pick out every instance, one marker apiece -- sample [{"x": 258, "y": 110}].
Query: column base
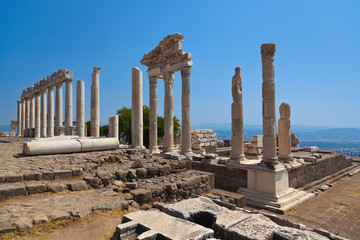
[
  {"x": 166, "y": 150},
  {"x": 236, "y": 161},
  {"x": 187, "y": 152}
]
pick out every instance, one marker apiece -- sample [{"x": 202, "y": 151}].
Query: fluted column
[
  {"x": 19, "y": 118},
  {"x": 136, "y": 109},
  {"x": 32, "y": 116},
  {"x": 80, "y": 108},
  {"x": 284, "y": 137},
  {"x": 95, "y": 100},
  {"x": 68, "y": 107},
  {"x": 43, "y": 123},
  {"x": 269, "y": 112},
  {"x": 37, "y": 116},
  {"x": 168, "y": 113},
  {"x": 22, "y": 117},
  {"x": 50, "y": 112},
  {"x": 27, "y": 118},
  {"x": 237, "y": 151},
  {"x": 59, "y": 129},
  {"x": 185, "y": 113},
  {"x": 153, "y": 139}
]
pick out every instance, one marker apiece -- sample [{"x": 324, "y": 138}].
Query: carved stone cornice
[{"x": 268, "y": 51}]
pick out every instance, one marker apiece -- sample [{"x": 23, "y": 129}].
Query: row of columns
[{"x": 35, "y": 114}]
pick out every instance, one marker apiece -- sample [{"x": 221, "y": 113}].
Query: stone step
[{"x": 239, "y": 199}]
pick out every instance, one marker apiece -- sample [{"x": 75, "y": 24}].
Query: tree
[
  {"x": 103, "y": 130},
  {"x": 125, "y": 125}
]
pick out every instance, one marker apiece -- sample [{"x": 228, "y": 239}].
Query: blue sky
[{"x": 316, "y": 62}]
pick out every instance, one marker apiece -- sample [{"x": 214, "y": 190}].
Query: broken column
[
  {"x": 37, "y": 115},
  {"x": 153, "y": 147},
  {"x": 80, "y": 108},
  {"x": 68, "y": 107},
  {"x": 19, "y": 118},
  {"x": 95, "y": 115},
  {"x": 284, "y": 137},
  {"x": 13, "y": 128},
  {"x": 50, "y": 112},
  {"x": 114, "y": 126},
  {"x": 59, "y": 129},
  {"x": 136, "y": 109},
  {"x": 237, "y": 155},
  {"x": 43, "y": 123},
  {"x": 185, "y": 114},
  {"x": 168, "y": 113},
  {"x": 269, "y": 112}
]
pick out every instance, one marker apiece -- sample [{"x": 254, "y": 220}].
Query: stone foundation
[{"x": 203, "y": 139}]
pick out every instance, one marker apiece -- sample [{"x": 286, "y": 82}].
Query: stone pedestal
[
  {"x": 284, "y": 137},
  {"x": 43, "y": 122},
  {"x": 19, "y": 118},
  {"x": 68, "y": 107},
  {"x": 270, "y": 189},
  {"x": 269, "y": 159},
  {"x": 80, "y": 108},
  {"x": 95, "y": 101},
  {"x": 37, "y": 116},
  {"x": 168, "y": 113},
  {"x": 58, "y": 110},
  {"x": 137, "y": 109},
  {"x": 153, "y": 139},
  {"x": 50, "y": 112},
  {"x": 185, "y": 113},
  {"x": 114, "y": 126}
]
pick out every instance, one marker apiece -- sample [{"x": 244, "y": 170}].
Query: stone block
[
  {"x": 23, "y": 223},
  {"x": 14, "y": 178},
  {"x": 59, "y": 215},
  {"x": 47, "y": 175},
  {"x": 55, "y": 187},
  {"x": 40, "y": 218},
  {"x": 141, "y": 195},
  {"x": 35, "y": 187},
  {"x": 77, "y": 185},
  {"x": 12, "y": 190},
  {"x": 61, "y": 174}
]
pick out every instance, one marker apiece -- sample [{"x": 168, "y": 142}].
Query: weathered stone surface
[
  {"x": 23, "y": 223},
  {"x": 61, "y": 174},
  {"x": 77, "y": 185},
  {"x": 55, "y": 187},
  {"x": 92, "y": 181},
  {"x": 11, "y": 190},
  {"x": 5, "y": 226},
  {"x": 47, "y": 175},
  {"x": 141, "y": 195},
  {"x": 137, "y": 164},
  {"x": 14, "y": 178},
  {"x": 35, "y": 187},
  {"x": 165, "y": 169},
  {"x": 40, "y": 218},
  {"x": 141, "y": 172},
  {"x": 59, "y": 215}
]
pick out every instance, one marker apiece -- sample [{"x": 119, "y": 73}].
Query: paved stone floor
[{"x": 336, "y": 210}]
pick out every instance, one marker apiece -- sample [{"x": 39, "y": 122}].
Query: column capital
[
  {"x": 268, "y": 51},
  {"x": 59, "y": 84},
  {"x": 169, "y": 77},
  {"x": 96, "y": 69},
  {"x": 69, "y": 80},
  {"x": 51, "y": 87}
]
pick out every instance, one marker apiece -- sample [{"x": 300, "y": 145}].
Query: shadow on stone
[{"x": 205, "y": 219}]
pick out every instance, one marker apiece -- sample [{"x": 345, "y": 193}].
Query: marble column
[
  {"x": 185, "y": 113},
  {"x": 114, "y": 126},
  {"x": 43, "y": 123},
  {"x": 168, "y": 113},
  {"x": 68, "y": 107},
  {"x": 80, "y": 108},
  {"x": 22, "y": 117},
  {"x": 32, "y": 116},
  {"x": 136, "y": 109},
  {"x": 269, "y": 112},
  {"x": 95, "y": 101},
  {"x": 19, "y": 118},
  {"x": 237, "y": 124},
  {"x": 50, "y": 112},
  {"x": 37, "y": 115},
  {"x": 27, "y": 117},
  {"x": 59, "y": 129},
  {"x": 284, "y": 137},
  {"x": 153, "y": 138}
]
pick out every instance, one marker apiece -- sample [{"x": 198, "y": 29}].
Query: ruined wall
[
  {"x": 312, "y": 171},
  {"x": 226, "y": 177},
  {"x": 203, "y": 139}
]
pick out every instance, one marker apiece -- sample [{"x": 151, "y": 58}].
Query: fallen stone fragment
[
  {"x": 141, "y": 195},
  {"x": 40, "y": 218},
  {"x": 23, "y": 223},
  {"x": 59, "y": 215},
  {"x": 5, "y": 226},
  {"x": 77, "y": 185}
]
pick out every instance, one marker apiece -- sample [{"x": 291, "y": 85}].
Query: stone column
[
  {"x": 153, "y": 147},
  {"x": 59, "y": 129},
  {"x": 80, "y": 108},
  {"x": 32, "y": 116},
  {"x": 185, "y": 113},
  {"x": 237, "y": 124},
  {"x": 68, "y": 107},
  {"x": 95, "y": 101},
  {"x": 114, "y": 126},
  {"x": 43, "y": 123},
  {"x": 37, "y": 115},
  {"x": 168, "y": 113},
  {"x": 137, "y": 109},
  {"x": 50, "y": 112},
  {"x": 19, "y": 118},
  {"x": 269, "y": 112},
  {"x": 22, "y": 117},
  {"x": 27, "y": 117},
  {"x": 284, "y": 137}
]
